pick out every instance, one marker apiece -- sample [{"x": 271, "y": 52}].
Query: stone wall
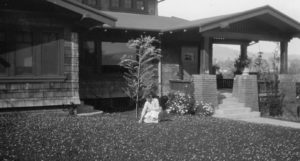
[
  {"x": 246, "y": 90},
  {"x": 205, "y": 88},
  {"x": 50, "y": 92}
]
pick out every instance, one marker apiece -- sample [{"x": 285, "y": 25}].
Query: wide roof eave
[{"x": 85, "y": 11}]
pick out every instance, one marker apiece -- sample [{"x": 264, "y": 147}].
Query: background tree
[
  {"x": 240, "y": 63},
  {"x": 294, "y": 67},
  {"x": 141, "y": 74},
  {"x": 260, "y": 65}
]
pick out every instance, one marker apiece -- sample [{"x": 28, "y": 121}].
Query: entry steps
[{"x": 231, "y": 108}]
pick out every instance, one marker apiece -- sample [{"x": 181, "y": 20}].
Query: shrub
[
  {"x": 204, "y": 109},
  {"x": 183, "y": 103},
  {"x": 180, "y": 103}
]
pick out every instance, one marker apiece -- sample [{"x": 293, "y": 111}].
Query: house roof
[
  {"x": 85, "y": 11},
  {"x": 143, "y": 22},
  {"x": 214, "y": 22},
  {"x": 165, "y": 24}
]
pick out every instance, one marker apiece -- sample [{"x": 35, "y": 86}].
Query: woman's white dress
[{"x": 152, "y": 110}]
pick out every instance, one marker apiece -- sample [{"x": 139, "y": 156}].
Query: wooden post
[
  {"x": 159, "y": 78},
  {"x": 206, "y": 58},
  {"x": 244, "y": 51},
  {"x": 283, "y": 57}
]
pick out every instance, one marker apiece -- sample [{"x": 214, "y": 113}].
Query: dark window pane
[
  {"x": 140, "y": 5},
  {"x": 91, "y": 2},
  {"x": 115, "y": 3},
  {"x": 127, "y": 4},
  {"x": 90, "y": 55},
  {"x": 23, "y": 58},
  {"x": 50, "y": 54},
  {"x": 4, "y": 64},
  {"x": 3, "y": 56}
]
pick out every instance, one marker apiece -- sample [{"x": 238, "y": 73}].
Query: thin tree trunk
[{"x": 137, "y": 91}]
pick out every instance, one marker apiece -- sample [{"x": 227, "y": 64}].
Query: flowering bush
[
  {"x": 205, "y": 109},
  {"x": 182, "y": 103}
]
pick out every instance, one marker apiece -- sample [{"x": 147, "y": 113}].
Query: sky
[{"x": 197, "y": 9}]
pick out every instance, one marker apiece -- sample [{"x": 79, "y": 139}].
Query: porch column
[
  {"x": 284, "y": 57},
  {"x": 244, "y": 51},
  {"x": 206, "y": 57}
]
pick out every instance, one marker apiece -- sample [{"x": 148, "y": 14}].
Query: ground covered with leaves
[{"x": 119, "y": 137}]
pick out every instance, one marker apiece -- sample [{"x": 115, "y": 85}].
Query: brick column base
[
  {"x": 245, "y": 89},
  {"x": 205, "y": 88}
]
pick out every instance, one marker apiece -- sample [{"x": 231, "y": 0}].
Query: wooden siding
[
  {"x": 150, "y": 6},
  {"x": 44, "y": 92}
]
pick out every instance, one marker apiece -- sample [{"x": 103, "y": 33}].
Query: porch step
[
  {"x": 231, "y": 108},
  {"x": 239, "y": 116}
]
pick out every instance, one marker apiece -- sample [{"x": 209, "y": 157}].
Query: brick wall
[
  {"x": 205, "y": 88},
  {"x": 245, "y": 89},
  {"x": 46, "y": 93}
]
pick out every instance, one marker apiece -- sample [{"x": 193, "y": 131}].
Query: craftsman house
[{"x": 61, "y": 51}]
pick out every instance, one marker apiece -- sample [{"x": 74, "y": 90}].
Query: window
[
  {"x": 91, "y": 2},
  {"x": 24, "y": 53},
  {"x": 112, "y": 53},
  {"x": 140, "y": 5},
  {"x": 3, "y": 55},
  {"x": 127, "y": 4},
  {"x": 32, "y": 54},
  {"x": 49, "y": 54},
  {"x": 115, "y": 4},
  {"x": 89, "y": 58}
]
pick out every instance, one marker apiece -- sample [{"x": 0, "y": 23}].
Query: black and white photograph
[{"x": 149, "y": 80}]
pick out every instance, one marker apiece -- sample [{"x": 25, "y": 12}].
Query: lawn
[{"x": 118, "y": 136}]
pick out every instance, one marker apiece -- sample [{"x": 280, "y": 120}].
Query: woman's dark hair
[{"x": 149, "y": 95}]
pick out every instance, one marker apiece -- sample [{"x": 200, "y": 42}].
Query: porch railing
[{"x": 224, "y": 83}]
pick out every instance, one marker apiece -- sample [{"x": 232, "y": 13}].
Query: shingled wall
[{"x": 46, "y": 92}]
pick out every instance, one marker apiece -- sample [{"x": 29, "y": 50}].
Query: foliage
[
  {"x": 259, "y": 64},
  {"x": 294, "y": 67},
  {"x": 141, "y": 68},
  {"x": 274, "y": 99},
  {"x": 119, "y": 137},
  {"x": 183, "y": 103},
  {"x": 240, "y": 63},
  {"x": 180, "y": 103},
  {"x": 204, "y": 109}
]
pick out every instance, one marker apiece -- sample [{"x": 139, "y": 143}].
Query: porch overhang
[
  {"x": 85, "y": 11},
  {"x": 227, "y": 20},
  {"x": 232, "y": 26}
]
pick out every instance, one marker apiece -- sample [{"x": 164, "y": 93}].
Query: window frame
[
  {"x": 137, "y": 6},
  {"x": 112, "y": 4},
  {"x": 125, "y": 2},
  {"x": 36, "y": 75},
  {"x": 112, "y": 69}
]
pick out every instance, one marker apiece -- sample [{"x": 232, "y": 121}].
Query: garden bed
[{"x": 118, "y": 136}]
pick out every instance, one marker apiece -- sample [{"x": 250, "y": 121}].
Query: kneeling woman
[{"x": 151, "y": 110}]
